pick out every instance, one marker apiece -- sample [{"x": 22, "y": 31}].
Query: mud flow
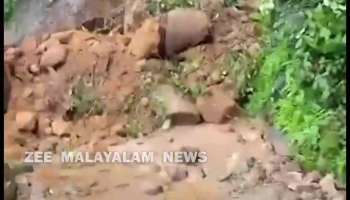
[{"x": 88, "y": 76}]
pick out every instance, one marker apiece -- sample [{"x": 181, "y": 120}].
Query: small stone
[
  {"x": 54, "y": 56},
  {"x": 144, "y": 101},
  {"x": 256, "y": 175},
  {"x": 60, "y": 127},
  {"x": 118, "y": 129},
  {"x": 34, "y": 69},
  {"x": 166, "y": 124},
  {"x": 176, "y": 172},
  {"x": 312, "y": 177},
  {"x": 28, "y": 92},
  {"x": 327, "y": 184},
  {"x": 151, "y": 188},
  {"x": 234, "y": 165},
  {"x": 26, "y": 121}
]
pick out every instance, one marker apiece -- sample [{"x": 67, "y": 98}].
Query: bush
[
  {"x": 301, "y": 79},
  {"x": 9, "y": 9}
]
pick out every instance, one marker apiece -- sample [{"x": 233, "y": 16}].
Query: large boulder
[
  {"x": 178, "y": 109},
  {"x": 216, "y": 106},
  {"x": 184, "y": 28}
]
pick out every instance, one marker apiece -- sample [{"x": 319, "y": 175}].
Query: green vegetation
[
  {"x": 85, "y": 101},
  {"x": 301, "y": 79},
  {"x": 159, "y": 6},
  {"x": 9, "y": 9}
]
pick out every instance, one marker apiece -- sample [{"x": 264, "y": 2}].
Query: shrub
[{"x": 301, "y": 79}]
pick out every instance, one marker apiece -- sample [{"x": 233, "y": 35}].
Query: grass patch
[{"x": 85, "y": 101}]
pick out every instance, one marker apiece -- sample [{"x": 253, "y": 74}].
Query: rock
[
  {"x": 312, "y": 177},
  {"x": 63, "y": 37},
  {"x": 60, "y": 127},
  {"x": 256, "y": 175},
  {"x": 146, "y": 39},
  {"x": 234, "y": 165},
  {"x": 151, "y": 187},
  {"x": 216, "y": 107},
  {"x": 28, "y": 92},
  {"x": 118, "y": 129},
  {"x": 54, "y": 56},
  {"x": 179, "y": 110},
  {"x": 144, "y": 101},
  {"x": 203, "y": 190},
  {"x": 184, "y": 28},
  {"x": 34, "y": 69},
  {"x": 176, "y": 172},
  {"x": 327, "y": 184},
  {"x": 26, "y": 121}
]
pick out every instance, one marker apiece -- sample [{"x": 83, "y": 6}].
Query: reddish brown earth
[{"x": 242, "y": 163}]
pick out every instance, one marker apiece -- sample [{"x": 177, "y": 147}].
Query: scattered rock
[
  {"x": 176, "y": 107},
  {"x": 60, "y": 127},
  {"x": 34, "y": 69},
  {"x": 144, "y": 101},
  {"x": 216, "y": 107},
  {"x": 256, "y": 175},
  {"x": 146, "y": 40},
  {"x": 151, "y": 187},
  {"x": 119, "y": 129},
  {"x": 327, "y": 184},
  {"x": 54, "y": 56},
  {"x": 26, "y": 121},
  {"x": 312, "y": 177},
  {"x": 176, "y": 172}
]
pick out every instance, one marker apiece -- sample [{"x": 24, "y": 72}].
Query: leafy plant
[
  {"x": 85, "y": 101},
  {"x": 9, "y": 9},
  {"x": 160, "y": 6},
  {"x": 301, "y": 79}
]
